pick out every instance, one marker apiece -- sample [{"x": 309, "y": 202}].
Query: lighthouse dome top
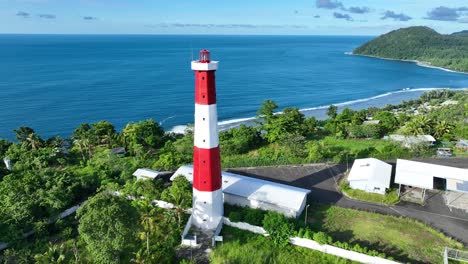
[
  {"x": 204, "y": 56},
  {"x": 204, "y": 63}
]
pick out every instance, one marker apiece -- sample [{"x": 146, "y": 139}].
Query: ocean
[{"x": 53, "y": 83}]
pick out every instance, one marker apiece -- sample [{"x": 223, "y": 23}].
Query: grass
[
  {"x": 403, "y": 239},
  {"x": 391, "y": 197},
  {"x": 354, "y": 144},
  {"x": 242, "y": 247}
]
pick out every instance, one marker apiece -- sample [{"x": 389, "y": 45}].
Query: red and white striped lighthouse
[{"x": 207, "y": 192}]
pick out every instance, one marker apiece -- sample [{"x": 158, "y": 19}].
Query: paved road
[{"x": 321, "y": 180}]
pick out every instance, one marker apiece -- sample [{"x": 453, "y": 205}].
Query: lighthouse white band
[
  {"x": 206, "y": 126},
  {"x": 207, "y": 208},
  {"x": 204, "y": 66}
]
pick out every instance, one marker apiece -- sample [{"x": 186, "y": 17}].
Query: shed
[
  {"x": 423, "y": 175},
  {"x": 370, "y": 175},
  {"x": 255, "y": 193},
  {"x": 145, "y": 174}
]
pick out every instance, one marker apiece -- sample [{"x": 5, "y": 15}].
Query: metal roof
[
  {"x": 372, "y": 170},
  {"x": 281, "y": 195},
  {"x": 146, "y": 173},
  {"x": 420, "y": 174}
]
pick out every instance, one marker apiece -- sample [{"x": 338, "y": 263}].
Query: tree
[
  {"x": 4, "y": 145},
  {"x": 239, "y": 140},
  {"x": 26, "y": 136},
  {"x": 180, "y": 194},
  {"x": 290, "y": 121},
  {"x": 267, "y": 110},
  {"x": 388, "y": 121},
  {"x": 443, "y": 127},
  {"x": 419, "y": 125},
  {"x": 108, "y": 226},
  {"x": 332, "y": 111},
  {"x": 147, "y": 134}
]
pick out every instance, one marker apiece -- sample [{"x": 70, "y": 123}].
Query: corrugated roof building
[{"x": 255, "y": 193}]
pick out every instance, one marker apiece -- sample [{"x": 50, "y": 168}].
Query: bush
[
  {"x": 322, "y": 238},
  {"x": 235, "y": 217},
  {"x": 254, "y": 216},
  {"x": 279, "y": 228}
]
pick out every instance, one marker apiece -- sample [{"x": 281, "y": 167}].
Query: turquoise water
[{"x": 53, "y": 83}]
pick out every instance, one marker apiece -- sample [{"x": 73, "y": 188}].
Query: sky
[{"x": 291, "y": 17}]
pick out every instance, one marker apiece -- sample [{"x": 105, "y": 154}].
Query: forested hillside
[{"x": 422, "y": 44}]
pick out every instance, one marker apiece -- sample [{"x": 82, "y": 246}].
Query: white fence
[
  {"x": 311, "y": 244},
  {"x": 352, "y": 255},
  {"x": 245, "y": 226}
]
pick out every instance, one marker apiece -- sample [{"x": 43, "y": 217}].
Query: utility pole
[{"x": 305, "y": 219}]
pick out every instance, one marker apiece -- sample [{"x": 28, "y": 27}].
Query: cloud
[
  {"x": 243, "y": 26},
  {"x": 392, "y": 15},
  {"x": 358, "y": 10},
  {"x": 47, "y": 16},
  {"x": 316, "y": 16},
  {"x": 22, "y": 14},
  {"x": 443, "y": 13},
  {"x": 342, "y": 16},
  {"x": 328, "y": 4},
  {"x": 90, "y": 18}
]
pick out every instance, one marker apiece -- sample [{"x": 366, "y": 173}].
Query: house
[
  {"x": 411, "y": 141},
  {"x": 145, "y": 174},
  {"x": 462, "y": 144},
  {"x": 255, "y": 193},
  {"x": 370, "y": 175},
  {"x": 371, "y": 122}
]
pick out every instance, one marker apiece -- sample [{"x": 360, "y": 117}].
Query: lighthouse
[{"x": 207, "y": 193}]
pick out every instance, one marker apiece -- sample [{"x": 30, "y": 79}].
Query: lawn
[
  {"x": 391, "y": 197},
  {"x": 402, "y": 238},
  {"x": 242, "y": 247}
]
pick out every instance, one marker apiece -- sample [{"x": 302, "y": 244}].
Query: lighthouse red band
[{"x": 207, "y": 193}]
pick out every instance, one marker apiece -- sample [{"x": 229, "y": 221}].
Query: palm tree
[
  {"x": 54, "y": 254},
  {"x": 442, "y": 127}
]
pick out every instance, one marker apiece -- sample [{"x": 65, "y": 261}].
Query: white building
[
  {"x": 145, "y": 174},
  {"x": 423, "y": 175},
  {"x": 410, "y": 141},
  {"x": 370, "y": 175},
  {"x": 255, "y": 193}
]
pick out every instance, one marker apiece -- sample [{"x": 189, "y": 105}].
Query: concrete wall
[
  {"x": 367, "y": 186},
  {"x": 244, "y": 202}
]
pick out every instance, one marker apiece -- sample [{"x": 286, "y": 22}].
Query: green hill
[
  {"x": 422, "y": 44},
  {"x": 463, "y": 33}
]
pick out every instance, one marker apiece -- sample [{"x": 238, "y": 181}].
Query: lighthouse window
[
  {"x": 203, "y": 119},
  {"x": 204, "y": 202},
  {"x": 204, "y": 161},
  {"x": 203, "y": 140},
  {"x": 203, "y": 78}
]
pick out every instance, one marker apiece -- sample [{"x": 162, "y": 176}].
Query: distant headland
[{"x": 422, "y": 45}]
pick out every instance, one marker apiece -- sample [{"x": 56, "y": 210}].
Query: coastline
[
  {"x": 319, "y": 112},
  {"x": 419, "y": 63}
]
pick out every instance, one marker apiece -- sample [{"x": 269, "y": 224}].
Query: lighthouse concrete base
[{"x": 207, "y": 210}]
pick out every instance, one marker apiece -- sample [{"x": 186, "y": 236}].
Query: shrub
[
  {"x": 279, "y": 228},
  {"x": 322, "y": 238},
  {"x": 235, "y": 216},
  {"x": 254, "y": 216}
]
